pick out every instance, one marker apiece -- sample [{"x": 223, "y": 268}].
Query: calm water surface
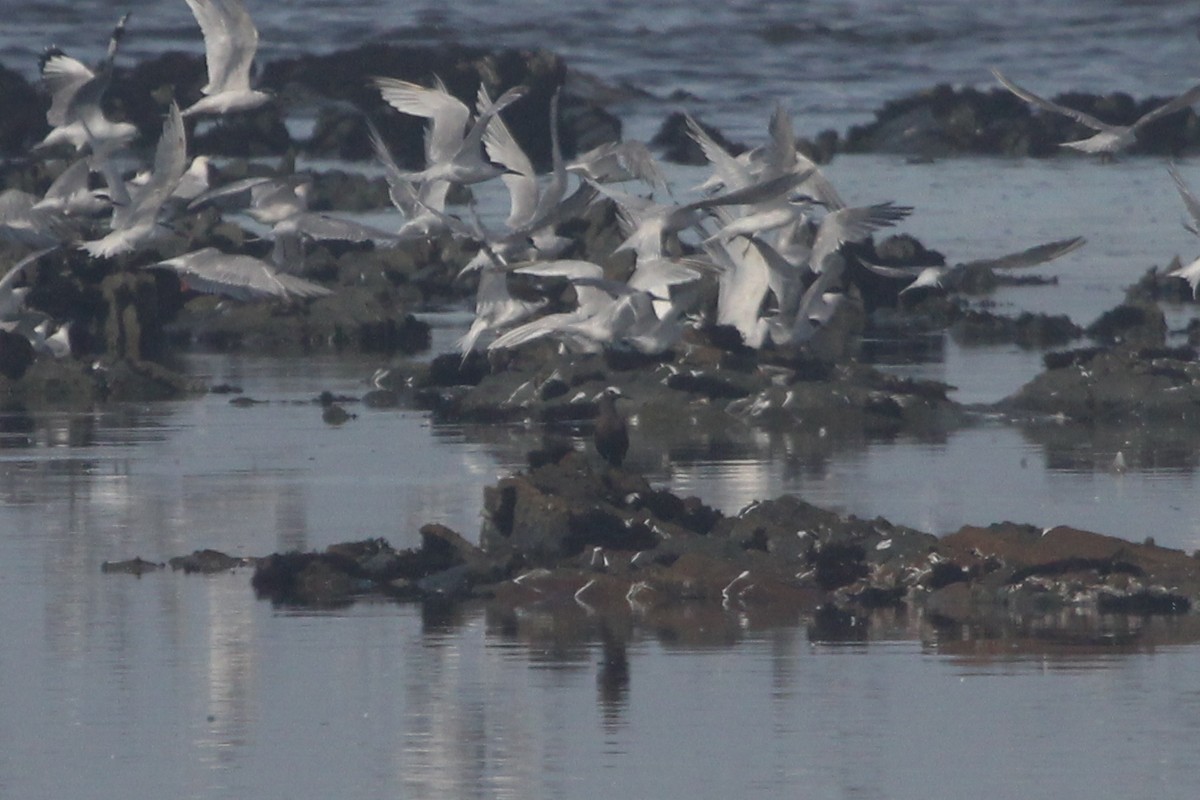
[
  {"x": 189, "y": 687},
  {"x": 173, "y": 686}
]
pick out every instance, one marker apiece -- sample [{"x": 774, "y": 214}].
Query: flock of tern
[{"x": 767, "y": 227}]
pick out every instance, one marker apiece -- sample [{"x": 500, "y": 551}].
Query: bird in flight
[{"x": 1108, "y": 138}]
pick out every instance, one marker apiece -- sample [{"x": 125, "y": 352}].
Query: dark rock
[
  {"x": 24, "y": 120},
  {"x": 945, "y": 121},
  {"x": 552, "y": 451},
  {"x": 944, "y": 573},
  {"x": 206, "y": 562},
  {"x": 838, "y": 564},
  {"x": 833, "y": 624},
  {"x": 679, "y": 147},
  {"x": 132, "y": 326},
  {"x": 334, "y": 414},
  {"x": 16, "y": 355},
  {"x": 132, "y": 566},
  {"x": 1144, "y": 603},
  {"x": 1132, "y": 323},
  {"x": 445, "y": 566},
  {"x": 714, "y": 386},
  {"x": 565, "y": 536},
  {"x": 248, "y": 134},
  {"x": 451, "y": 369},
  {"x": 64, "y": 382},
  {"x": 1027, "y": 329},
  {"x": 308, "y": 579},
  {"x": 1116, "y": 384},
  {"x": 354, "y": 317}
]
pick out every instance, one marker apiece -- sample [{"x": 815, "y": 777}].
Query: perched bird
[
  {"x": 611, "y": 435},
  {"x": 1108, "y": 138},
  {"x": 230, "y": 40}
]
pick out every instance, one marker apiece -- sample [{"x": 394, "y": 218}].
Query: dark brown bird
[{"x": 611, "y": 435}]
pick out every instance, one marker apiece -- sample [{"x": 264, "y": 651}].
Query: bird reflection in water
[{"x": 612, "y": 676}]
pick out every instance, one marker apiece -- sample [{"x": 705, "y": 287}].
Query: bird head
[{"x": 611, "y": 392}]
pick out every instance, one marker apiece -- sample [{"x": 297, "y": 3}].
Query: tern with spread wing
[
  {"x": 941, "y": 276},
  {"x": 454, "y": 142},
  {"x": 1108, "y": 138},
  {"x": 135, "y": 213},
  {"x": 230, "y": 41},
  {"x": 241, "y": 277},
  {"x": 75, "y": 115}
]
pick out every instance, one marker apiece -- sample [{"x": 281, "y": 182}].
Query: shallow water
[
  {"x": 173, "y": 686},
  {"x": 188, "y": 686}
]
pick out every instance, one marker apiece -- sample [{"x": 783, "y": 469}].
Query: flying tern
[
  {"x": 75, "y": 90},
  {"x": 453, "y": 151},
  {"x": 135, "y": 213},
  {"x": 1108, "y": 138},
  {"x": 230, "y": 40},
  {"x": 241, "y": 277},
  {"x": 941, "y": 276}
]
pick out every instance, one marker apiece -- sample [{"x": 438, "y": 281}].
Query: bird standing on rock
[{"x": 611, "y": 434}]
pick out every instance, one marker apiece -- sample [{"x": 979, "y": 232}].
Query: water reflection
[
  {"x": 216, "y": 689},
  {"x": 577, "y": 638},
  {"x": 230, "y": 672},
  {"x": 1158, "y": 448}
]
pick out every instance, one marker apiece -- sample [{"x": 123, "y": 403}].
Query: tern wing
[
  {"x": 170, "y": 162},
  {"x": 1081, "y": 117},
  {"x": 62, "y": 76},
  {"x": 731, "y": 172},
  {"x": 1032, "y": 256},
  {"x": 325, "y": 227},
  {"x": 1189, "y": 200},
  {"x": 219, "y": 26},
  {"x": 447, "y": 114},
  {"x": 239, "y": 276},
  {"x": 1181, "y": 102}
]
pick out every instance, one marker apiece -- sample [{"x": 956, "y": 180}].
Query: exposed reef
[{"x": 575, "y": 534}]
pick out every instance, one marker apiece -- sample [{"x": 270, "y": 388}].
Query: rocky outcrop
[
  {"x": 337, "y": 87},
  {"x": 1127, "y": 384},
  {"x": 576, "y": 533},
  {"x": 946, "y": 121}
]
